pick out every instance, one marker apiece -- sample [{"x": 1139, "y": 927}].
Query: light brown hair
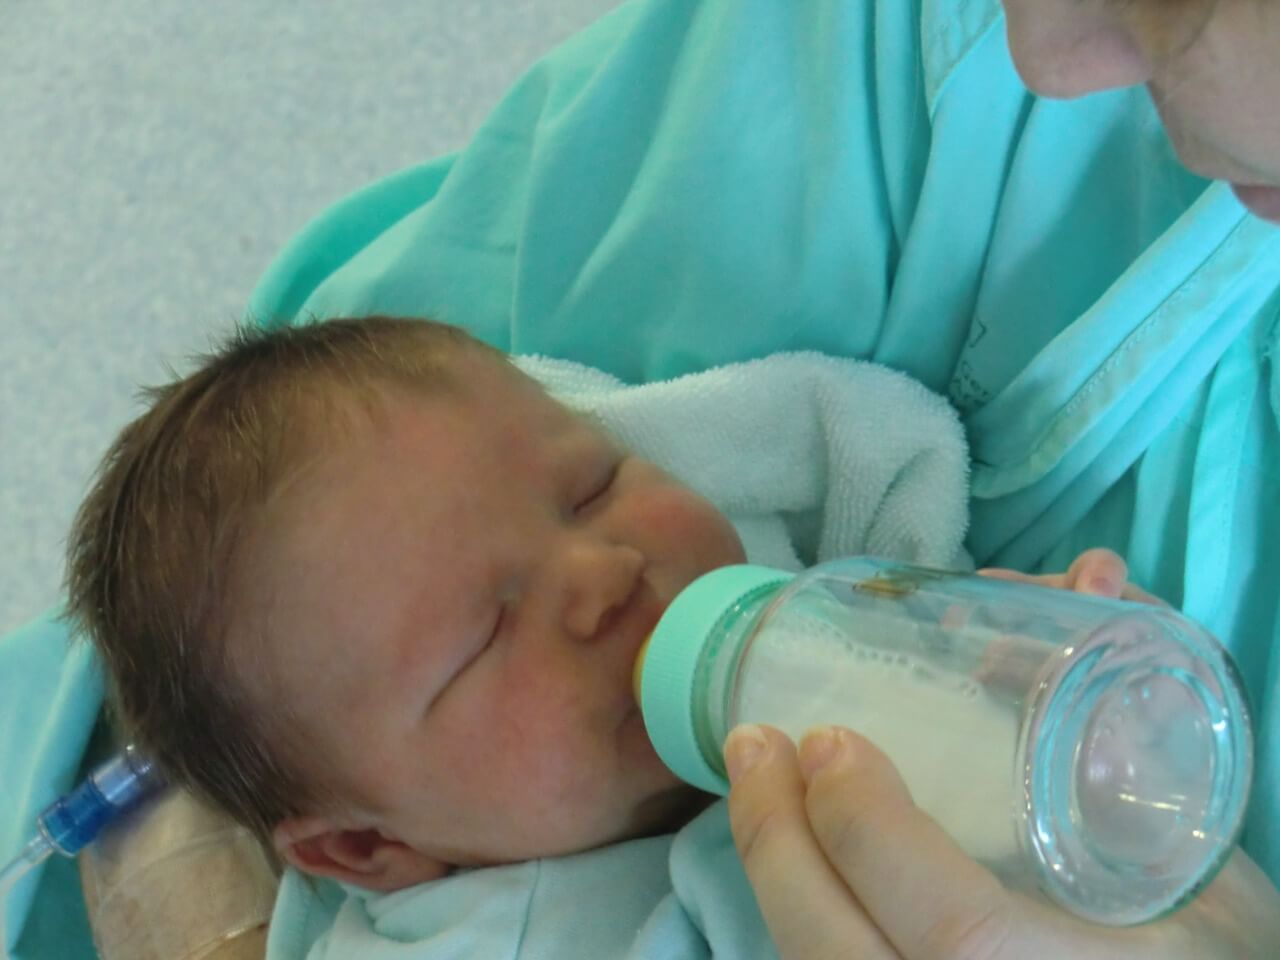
[{"x": 152, "y": 552}]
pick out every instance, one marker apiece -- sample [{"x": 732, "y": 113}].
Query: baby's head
[{"x": 366, "y": 587}]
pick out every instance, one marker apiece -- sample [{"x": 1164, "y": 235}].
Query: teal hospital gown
[{"x": 693, "y": 182}]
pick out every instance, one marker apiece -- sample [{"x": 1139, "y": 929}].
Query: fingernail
[
  {"x": 817, "y": 749},
  {"x": 743, "y": 749},
  {"x": 1105, "y": 586}
]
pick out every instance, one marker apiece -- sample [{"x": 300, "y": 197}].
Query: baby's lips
[
  {"x": 647, "y": 615},
  {"x": 637, "y": 672}
]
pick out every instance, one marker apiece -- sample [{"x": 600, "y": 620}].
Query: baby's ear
[{"x": 362, "y": 857}]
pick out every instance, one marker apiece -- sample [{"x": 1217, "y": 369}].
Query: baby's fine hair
[{"x": 153, "y": 549}]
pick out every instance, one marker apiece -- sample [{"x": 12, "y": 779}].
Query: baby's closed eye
[{"x": 597, "y": 487}]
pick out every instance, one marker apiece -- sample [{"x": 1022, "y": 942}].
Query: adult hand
[
  {"x": 1099, "y": 572},
  {"x": 845, "y": 865}
]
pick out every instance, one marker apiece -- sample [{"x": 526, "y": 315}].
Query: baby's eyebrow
[
  {"x": 573, "y": 450},
  {"x": 592, "y": 439}
]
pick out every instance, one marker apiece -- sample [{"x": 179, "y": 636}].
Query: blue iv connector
[
  {"x": 75, "y": 819},
  {"x": 72, "y": 821}
]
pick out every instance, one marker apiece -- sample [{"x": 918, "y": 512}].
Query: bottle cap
[{"x": 670, "y": 666}]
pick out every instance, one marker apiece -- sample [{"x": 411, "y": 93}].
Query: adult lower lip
[{"x": 1262, "y": 201}]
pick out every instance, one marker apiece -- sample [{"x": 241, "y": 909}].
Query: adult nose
[
  {"x": 1069, "y": 48},
  {"x": 597, "y": 579}
]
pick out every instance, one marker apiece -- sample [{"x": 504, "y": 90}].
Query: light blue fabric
[
  {"x": 686, "y": 897},
  {"x": 595, "y": 901},
  {"x": 51, "y": 689},
  {"x": 694, "y": 182}
]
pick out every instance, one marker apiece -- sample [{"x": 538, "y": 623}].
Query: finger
[
  {"x": 1245, "y": 898},
  {"x": 1138, "y": 595},
  {"x": 1056, "y": 580},
  {"x": 1060, "y": 581},
  {"x": 926, "y": 895},
  {"x": 1010, "y": 664},
  {"x": 1100, "y": 572},
  {"x": 806, "y": 905}
]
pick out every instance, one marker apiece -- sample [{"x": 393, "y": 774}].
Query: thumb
[{"x": 931, "y": 900}]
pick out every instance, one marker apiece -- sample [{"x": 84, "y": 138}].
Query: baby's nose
[{"x": 599, "y": 580}]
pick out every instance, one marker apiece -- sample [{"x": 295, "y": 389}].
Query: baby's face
[{"x": 456, "y": 596}]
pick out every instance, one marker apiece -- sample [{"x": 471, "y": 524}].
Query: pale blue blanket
[{"x": 666, "y": 897}]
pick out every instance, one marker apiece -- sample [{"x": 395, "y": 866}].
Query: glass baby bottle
[{"x": 1097, "y": 749}]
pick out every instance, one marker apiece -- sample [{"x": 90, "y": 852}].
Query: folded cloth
[
  {"x": 811, "y": 457},
  {"x": 683, "y": 897},
  {"x": 50, "y": 694}
]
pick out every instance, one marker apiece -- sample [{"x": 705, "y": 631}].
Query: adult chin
[{"x": 1260, "y": 201}]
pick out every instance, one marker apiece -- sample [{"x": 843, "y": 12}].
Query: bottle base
[{"x": 1134, "y": 774}]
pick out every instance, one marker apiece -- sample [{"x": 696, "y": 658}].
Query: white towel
[{"x": 811, "y": 457}]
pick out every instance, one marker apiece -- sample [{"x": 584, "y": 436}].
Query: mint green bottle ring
[{"x": 667, "y": 694}]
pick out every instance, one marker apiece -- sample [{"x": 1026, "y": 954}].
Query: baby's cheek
[
  {"x": 541, "y": 736},
  {"x": 676, "y": 519},
  {"x": 664, "y": 510}
]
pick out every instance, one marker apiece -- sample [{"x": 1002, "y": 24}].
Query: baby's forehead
[
  {"x": 548, "y": 431},
  {"x": 502, "y": 393}
]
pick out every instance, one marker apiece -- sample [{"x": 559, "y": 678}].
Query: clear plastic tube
[
  {"x": 75, "y": 819},
  {"x": 34, "y": 853}
]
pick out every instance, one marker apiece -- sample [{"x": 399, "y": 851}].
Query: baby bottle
[{"x": 1095, "y": 748}]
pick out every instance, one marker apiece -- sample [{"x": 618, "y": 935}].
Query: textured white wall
[{"x": 153, "y": 157}]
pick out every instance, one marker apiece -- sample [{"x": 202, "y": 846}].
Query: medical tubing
[
  {"x": 75, "y": 819},
  {"x": 32, "y": 854}
]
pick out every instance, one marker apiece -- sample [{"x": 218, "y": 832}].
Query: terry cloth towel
[{"x": 812, "y": 458}]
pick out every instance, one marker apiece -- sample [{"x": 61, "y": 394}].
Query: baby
[{"x": 365, "y": 586}]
